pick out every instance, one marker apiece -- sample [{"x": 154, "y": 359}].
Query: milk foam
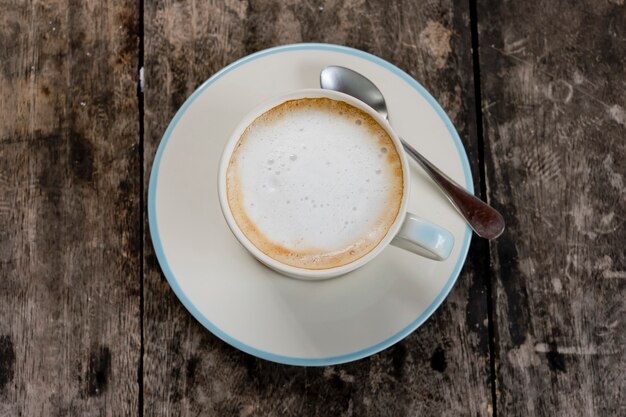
[{"x": 315, "y": 183}]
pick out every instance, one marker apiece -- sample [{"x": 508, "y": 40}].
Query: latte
[{"x": 315, "y": 183}]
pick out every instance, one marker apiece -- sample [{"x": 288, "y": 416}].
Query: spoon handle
[{"x": 482, "y": 218}]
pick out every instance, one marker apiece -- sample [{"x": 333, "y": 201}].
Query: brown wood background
[{"x": 535, "y": 326}]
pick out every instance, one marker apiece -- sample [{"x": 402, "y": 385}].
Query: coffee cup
[{"x": 315, "y": 184}]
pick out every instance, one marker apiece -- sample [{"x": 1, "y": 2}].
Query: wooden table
[{"x": 536, "y": 324}]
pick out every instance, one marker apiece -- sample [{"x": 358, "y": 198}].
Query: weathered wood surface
[
  {"x": 442, "y": 369},
  {"x": 70, "y": 244},
  {"x": 554, "y": 121},
  {"x": 553, "y": 86}
]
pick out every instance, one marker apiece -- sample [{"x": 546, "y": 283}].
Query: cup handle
[{"x": 424, "y": 238}]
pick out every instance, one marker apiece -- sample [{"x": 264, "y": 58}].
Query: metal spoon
[{"x": 482, "y": 218}]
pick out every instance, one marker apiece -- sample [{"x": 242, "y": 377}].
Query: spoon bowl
[{"x": 354, "y": 84}]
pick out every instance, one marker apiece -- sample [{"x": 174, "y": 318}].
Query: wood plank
[
  {"x": 555, "y": 123},
  {"x": 69, "y": 209},
  {"x": 443, "y": 368}
]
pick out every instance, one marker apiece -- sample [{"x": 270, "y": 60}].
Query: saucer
[{"x": 285, "y": 320}]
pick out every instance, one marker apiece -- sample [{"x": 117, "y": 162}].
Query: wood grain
[
  {"x": 443, "y": 368},
  {"x": 69, "y": 209},
  {"x": 555, "y": 122}
]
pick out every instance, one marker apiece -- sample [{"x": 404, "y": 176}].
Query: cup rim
[{"x": 292, "y": 271}]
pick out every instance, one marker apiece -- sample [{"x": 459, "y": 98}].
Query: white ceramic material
[
  {"x": 414, "y": 234},
  {"x": 254, "y": 308}
]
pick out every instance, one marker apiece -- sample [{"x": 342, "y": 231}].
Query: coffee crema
[{"x": 315, "y": 183}]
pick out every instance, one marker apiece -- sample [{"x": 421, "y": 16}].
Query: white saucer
[{"x": 246, "y": 304}]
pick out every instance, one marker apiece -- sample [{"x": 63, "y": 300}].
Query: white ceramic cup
[{"x": 407, "y": 231}]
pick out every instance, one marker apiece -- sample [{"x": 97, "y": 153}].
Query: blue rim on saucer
[{"x": 171, "y": 278}]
